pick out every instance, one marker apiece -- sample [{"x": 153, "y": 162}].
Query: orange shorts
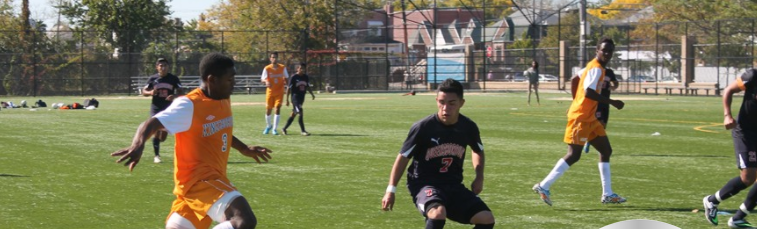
[
  {"x": 273, "y": 100},
  {"x": 195, "y": 204},
  {"x": 578, "y": 133}
]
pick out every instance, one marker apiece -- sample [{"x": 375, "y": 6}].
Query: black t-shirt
[
  {"x": 163, "y": 86},
  {"x": 747, "y": 118},
  {"x": 438, "y": 151},
  {"x": 299, "y": 84},
  {"x": 609, "y": 76}
]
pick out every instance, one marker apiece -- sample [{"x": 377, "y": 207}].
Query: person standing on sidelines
[
  {"x": 164, "y": 87},
  {"x": 744, "y": 134},
  {"x": 603, "y": 109},
  {"x": 203, "y": 124},
  {"x": 583, "y": 127},
  {"x": 437, "y": 144},
  {"x": 532, "y": 74},
  {"x": 297, "y": 86},
  {"x": 274, "y": 77}
]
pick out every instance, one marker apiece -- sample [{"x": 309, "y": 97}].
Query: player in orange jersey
[
  {"x": 583, "y": 126},
  {"x": 203, "y": 125},
  {"x": 274, "y": 77}
]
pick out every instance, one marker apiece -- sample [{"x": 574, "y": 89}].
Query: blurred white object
[{"x": 656, "y": 134}]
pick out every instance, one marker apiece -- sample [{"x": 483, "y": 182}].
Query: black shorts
[
  {"x": 297, "y": 102},
  {"x": 603, "y": 112},
  {"x": 461, "y": 203},
  {"x": 745, "y": 147}
]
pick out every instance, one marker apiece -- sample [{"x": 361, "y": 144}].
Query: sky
[{"x": 184, "y": 9}]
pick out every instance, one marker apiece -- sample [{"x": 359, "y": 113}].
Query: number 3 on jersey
[{"x": 446, "y": 162}]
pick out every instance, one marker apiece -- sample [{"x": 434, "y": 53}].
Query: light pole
[{"x": 583, "y": 31}]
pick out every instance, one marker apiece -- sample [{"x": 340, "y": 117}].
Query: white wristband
[{"x": 391, "y": 188}]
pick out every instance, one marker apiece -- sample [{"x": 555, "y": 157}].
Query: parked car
[
  {"x": 518, "y": 77},
  {"x": 640, "y": 78},
  {"x": 669, "y": 79},
  {"x": 547, "y": 78}
]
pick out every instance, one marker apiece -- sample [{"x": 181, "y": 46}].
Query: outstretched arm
[
  {"x": 593, "y": 95},
  {"x": 733, "y": 88},
  {"x": 255, "y": 152},
  {"x": 387, "y": 203},
  {"x": 133, "y": 153}
]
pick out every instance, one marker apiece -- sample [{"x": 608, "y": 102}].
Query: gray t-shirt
[{"x": 532, "y": 75}]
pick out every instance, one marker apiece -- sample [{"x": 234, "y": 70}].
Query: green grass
[{"x": 56, "y": 171}]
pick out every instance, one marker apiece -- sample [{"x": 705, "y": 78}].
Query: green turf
[{"x": 56, "y": 171}]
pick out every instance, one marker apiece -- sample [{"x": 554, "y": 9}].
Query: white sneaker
[
  {"x": 157, "y": 159},
  {"x": 613, "y": 199}
]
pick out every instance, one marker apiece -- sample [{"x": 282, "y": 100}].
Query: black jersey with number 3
[{"x": 438, "y": 151}]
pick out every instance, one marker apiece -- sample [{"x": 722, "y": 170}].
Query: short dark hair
[
  {"x": 605, "y": 40},
  {"x": 275, "y": 53},
  {"x": 451, "y": 86},
  {"x": 215, "y": 64},
  {"x": 161, "y": 60},
  {"x": 303, "y": 64}
]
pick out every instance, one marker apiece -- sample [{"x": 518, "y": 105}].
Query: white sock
[
  {"x": 556, "y": 173},
  {"x": 276, "y": 121},
  {"x": 267, "y": 121},
  {"x": 224, "y": 225},
  {"x": 604, "y": 173}
]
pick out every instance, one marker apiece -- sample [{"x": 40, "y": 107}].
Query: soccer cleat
[
  {"x": 710, "y": 211},
  {"x": 284, "y": 131},
  {"x": 275, "y": 132},
  {"x": 305, "y": 133},
  {"x": 156, "y": 159},
  {"x": 739, "y": 223},
  {"x": 613, "y": 199},
  {"x": 543, "y": 194},
  {"x": 586, "y": 147},
  {"x": 267, "y": 130}
]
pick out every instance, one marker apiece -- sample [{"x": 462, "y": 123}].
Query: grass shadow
[
  {"x": 671, "y": 155},
  {"x": 11, "y": 175},
  {"x": 339, "y": 135}
]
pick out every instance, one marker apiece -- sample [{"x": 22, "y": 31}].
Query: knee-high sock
[
  {"x": 748, "y": 205},
  {"x": 156, "y": 146},
  {"x": 289, "y": 122},
  {"x": 302, "y": 123},
  {"x": 484, "y": 226},
  {"x": 435, "y": 223},
  {"x": 276, "y": 121},
  {"x": 604, "y": 175},
  {"x": 556, "y": 173},
  {"x": 267, "y": 121},
  {"x": 733, "y": 187}
]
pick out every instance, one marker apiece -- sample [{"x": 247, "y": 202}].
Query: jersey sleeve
[
  {"x": 286, "y": 74},
  {"x": 264, "y": 75},
  {"x": 150, "y": 83},
  {"x": 177, "y": 117},
  {"x": 746, "y": 79},
  {"x": 410, "y": 147},
  {"x": 476, "y": 144},
  {"x": 592, "y": 79}
]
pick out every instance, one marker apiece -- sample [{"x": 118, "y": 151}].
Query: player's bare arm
[
  {"x": 179, "y": 92},
  {"x": 614, "y": 84},
  {"x": 133, "y": 153},
  {"x": 310, "y": 89},
  {"x": 289, "y": 90},
  {"x": 387, "y": 203},
  {"x": 478, "y": 165},
  {"x": 728, "y": 121},
  {"x": 147, "y": 92},
  {"x": 255, "y": 152},
  {"x": 574, "y": 81},
  {"x": 593, "y": 95}
]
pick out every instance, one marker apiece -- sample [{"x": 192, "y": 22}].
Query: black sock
[
  {"x": 484, "y": 226},
  {"x": 302, "y": 124},
  {"x": 289, "y": 122},
  {"x": 750, "y": 202},
  {"x": 156, "y": 146},
  {"x": 733, "y": 187},
  {"x": 435, "y": 223}
]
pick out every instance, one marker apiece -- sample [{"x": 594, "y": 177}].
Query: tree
[{"x": 124, "y": 24}]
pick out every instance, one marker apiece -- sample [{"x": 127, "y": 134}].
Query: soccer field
[{"x": 56, "y": 170}]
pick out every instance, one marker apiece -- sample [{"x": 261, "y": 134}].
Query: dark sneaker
[{"x": 739, "y": 223}]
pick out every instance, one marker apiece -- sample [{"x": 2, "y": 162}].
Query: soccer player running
[
  {"x": 275, "y": 78},
  {"x": 603, "y": 109},
  {"x": 744, "y": 133},
  {"x": 532, "y": 74},
  {"x": 297, "y": 85},
  {"x": 583, "y": 126},
  {"x": 164, "y": 87},
  {"x": 203, "y": 125},
  {"x": 436, "y": 144}
]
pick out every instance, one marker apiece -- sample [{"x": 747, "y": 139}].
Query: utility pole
[
  {"x": 404, "y": 29},
  {"x": 582, "y": 37}
]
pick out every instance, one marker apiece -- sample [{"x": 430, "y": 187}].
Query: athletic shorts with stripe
[
  {"x": 578, "y": 133},
  {"x": 745, "y": 147},
  {"x": 204, "y": 203},
  {"x": 461, "y": 203}
]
